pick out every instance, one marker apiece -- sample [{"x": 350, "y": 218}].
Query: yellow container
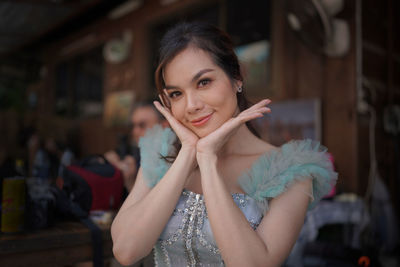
[{"x": 13, "y": 205}]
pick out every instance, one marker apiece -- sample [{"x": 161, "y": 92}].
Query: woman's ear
[{"x": 237, "y": 85}]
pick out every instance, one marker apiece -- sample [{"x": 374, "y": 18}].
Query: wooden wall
[
  {"x": 380, "y": 68},
  {"x": 297, "y": 72},
  {"x": 132, "y": 74},
  {"x": 300, "y": 72}
]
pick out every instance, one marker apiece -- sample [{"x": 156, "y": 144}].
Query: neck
[{"x": 238, "y": 143}]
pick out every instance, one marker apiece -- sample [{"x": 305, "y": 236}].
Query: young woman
[{"x": 222, "y": 196}]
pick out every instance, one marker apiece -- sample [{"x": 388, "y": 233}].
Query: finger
[
  {"x": 259, "y": 107},
  {"x": 252, "y": 114},
  {"x": 161, "y": 99},
  {"x": 261, "y": 103},
  {"x": 166, "y": 99},
  {"x": 263, "y": 110},
  {"x": 267, "y": 101},
  {"x": 264, "y": 102},
  {"x": 167, "y": 114},
  {"x": 163, "y": 110}
]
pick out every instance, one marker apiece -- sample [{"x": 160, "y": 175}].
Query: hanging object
[
  {"x": 314, "y": 22},
  {"x": 117, "y": 50}
]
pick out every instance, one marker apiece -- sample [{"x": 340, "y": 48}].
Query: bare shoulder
[{"x": 261, "y": 147}]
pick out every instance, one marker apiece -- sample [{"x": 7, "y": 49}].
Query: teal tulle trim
[
  {"x": 275, "y": 171},
  {"x": 271, "y": 175},
  {"x": 156, "y": 143}
]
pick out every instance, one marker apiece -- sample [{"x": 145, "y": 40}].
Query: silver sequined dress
[
  {"x": 187, "y": 239},
  {"x": 189, "y": 231}
]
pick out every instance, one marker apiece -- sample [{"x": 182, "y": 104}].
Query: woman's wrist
[
  {"x": 206, "y": 159},
  {"x": 188, "y": 153},
  {"x": 208, "y": 168}
]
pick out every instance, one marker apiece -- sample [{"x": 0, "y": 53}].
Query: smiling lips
[{"x": 201, "y": 121}]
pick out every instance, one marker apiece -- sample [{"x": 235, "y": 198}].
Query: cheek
[
  {"x": 177, "y": 111},
  {"x": 225, "y": 91},
  {"x": 224, "y": 98}
]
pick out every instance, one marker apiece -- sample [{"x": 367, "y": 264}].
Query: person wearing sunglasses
[{"x": 126, "y": 157}]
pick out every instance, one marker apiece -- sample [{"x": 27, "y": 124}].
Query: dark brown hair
[{"x": 209, "y": 39}]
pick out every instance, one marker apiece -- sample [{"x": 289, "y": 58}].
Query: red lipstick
[{"x": 201, "y": 121}]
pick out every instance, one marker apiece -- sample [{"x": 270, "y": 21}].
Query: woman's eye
[
  {"x": 204, "y": 82},
  {"x": 174, "y": 94}
]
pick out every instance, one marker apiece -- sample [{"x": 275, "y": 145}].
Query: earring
[{"x": 240, "y": 89}]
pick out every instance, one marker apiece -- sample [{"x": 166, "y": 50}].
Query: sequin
[{"x": 187, "y": 239}]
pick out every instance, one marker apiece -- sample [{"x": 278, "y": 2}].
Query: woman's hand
[
  {"x": 185, "y": 135},
  {"x": 212, "y": 143}
]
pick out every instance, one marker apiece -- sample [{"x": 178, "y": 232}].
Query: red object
[
  {"x": 364, "y": 261},
  {"x": 106, "y": 191}
]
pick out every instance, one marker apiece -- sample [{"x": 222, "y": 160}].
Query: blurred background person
[{"x": 126, "y": 157}]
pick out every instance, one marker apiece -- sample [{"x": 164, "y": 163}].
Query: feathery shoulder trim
[
  {"x": 276, "y": 170},
  {"x": 156, "y": 143}
]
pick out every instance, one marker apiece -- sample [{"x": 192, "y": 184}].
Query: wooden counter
[{"x": 65, "y": 243}]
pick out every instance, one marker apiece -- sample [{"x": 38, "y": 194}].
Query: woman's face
[{"x": 202, "y": 96}]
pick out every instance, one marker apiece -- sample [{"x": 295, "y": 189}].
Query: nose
[{"x": 193, "y": 102}]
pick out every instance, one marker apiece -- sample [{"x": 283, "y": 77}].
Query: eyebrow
[{"x": 195, "y": 77}]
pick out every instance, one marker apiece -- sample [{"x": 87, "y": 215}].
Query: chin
[
  {"x": 203, "y": 132},
  {"x": 199, "y": 133}
]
